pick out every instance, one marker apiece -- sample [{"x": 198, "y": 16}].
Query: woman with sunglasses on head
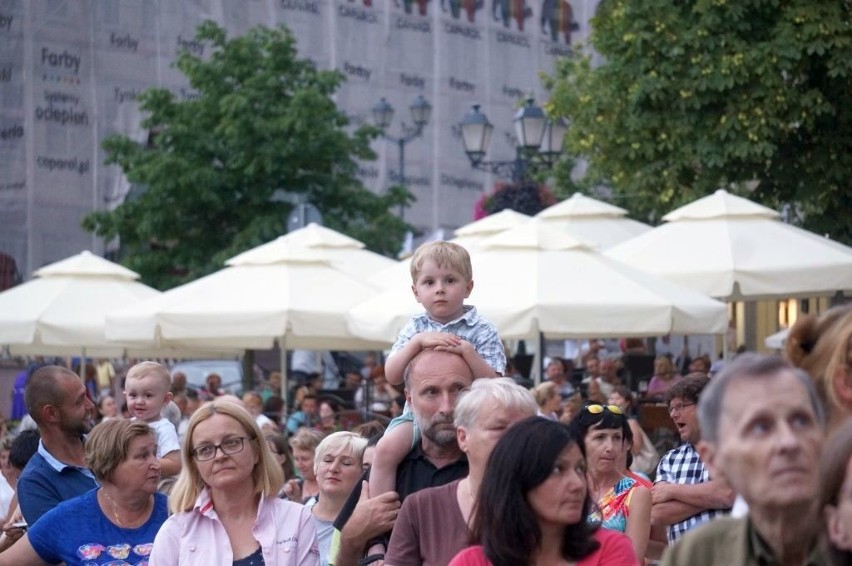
[
  {"x": 533, "y": 501},
  {"x": 225, "y": 504},
  {"x": 622, "y": 503}
]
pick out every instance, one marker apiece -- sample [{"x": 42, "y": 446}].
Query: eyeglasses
[
  {"x": 597, "y": 409},
  {"x": 678, "y": 408},
  {"x": 228, "y": 446}
]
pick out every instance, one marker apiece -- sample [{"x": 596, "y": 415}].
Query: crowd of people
[{"x": 475, "y": 469}]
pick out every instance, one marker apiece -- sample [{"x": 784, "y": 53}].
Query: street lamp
[
  {"x": 538, "y": 141},
  {"x": 383, "y": 112}
]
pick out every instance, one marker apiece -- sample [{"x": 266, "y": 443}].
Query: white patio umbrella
[
  {"x": 471, "y": 234},
  {"x": 731, "y": 248},
  {"x": 62, "y": 310},
  {"x": 533, "y": 279},
  {"x": 293, "y": 296},
  {"x": 593, "y": 222},
  {"x": 468, "y": 236},
  {"x": 343, "y": 253}
]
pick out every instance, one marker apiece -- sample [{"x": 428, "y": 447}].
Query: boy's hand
[
  {"x": 461, "y": 347},
  {"x": 438, "y": 340}
]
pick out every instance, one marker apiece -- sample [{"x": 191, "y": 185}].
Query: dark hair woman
[{"x": 533, "y": 503}]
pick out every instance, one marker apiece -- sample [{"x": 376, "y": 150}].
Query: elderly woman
[
  {"x": 836, "y": 494},
  {"x": 304, "y": 489},
  {"x": 337, "y": 466},
  {"x": 432, "y": 524},
  {"x": 548, "y": 399},
  {"x": 225, "y": 504},
  {"x": 623, "y": 504},
  {"x": 114, "y": 523},
  {"x": 533, "y": 502}
]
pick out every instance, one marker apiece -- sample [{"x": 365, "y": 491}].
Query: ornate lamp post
[
  {"x": 538, "y": 141},
  {"x": 383, "y": 112}
]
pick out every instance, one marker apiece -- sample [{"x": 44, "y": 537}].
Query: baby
[
  {"x": 442, "y": 278},
  {"x": 147, "y": 389}
]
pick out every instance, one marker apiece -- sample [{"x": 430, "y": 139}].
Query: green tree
[
  {"x": 696, "y": 95},
  {"x": 263, "y": 120}
]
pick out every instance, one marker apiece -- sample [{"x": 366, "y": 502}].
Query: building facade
[{"x": 70, "y": 72}]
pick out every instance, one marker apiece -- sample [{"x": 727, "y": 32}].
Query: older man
[
  {"x": 762, "y": 430},
  {"x": 433, "y": 381}
]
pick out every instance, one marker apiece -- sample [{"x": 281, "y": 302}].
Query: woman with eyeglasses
[
  {"x": 533, "y": 501},
  {"x": 225, "y": 504},
  {"x": 622, "y": 503}
]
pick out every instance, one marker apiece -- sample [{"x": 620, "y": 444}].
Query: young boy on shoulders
[
  {"x": 442, "y": 278},
  {"x": 147, "y": 389}
]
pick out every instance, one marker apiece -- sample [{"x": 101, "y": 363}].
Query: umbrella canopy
[
  {"x": 593, "y": 222},
  {"x": 533, "y": 278},
  {"x": 492, "y": 224},
  {"x": 285, "y": 291},
  {"x": 62, "y": 310},
  {"x": 731, "y": 248},
  {"x": 342, "y": 252},
  {"x": 468, "y": 236}
]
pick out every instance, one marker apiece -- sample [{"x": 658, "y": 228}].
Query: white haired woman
[
  {"x": 338, "y": 467},
  {"x": 225, "y": 504},
  {"x": 114, "y": 523},
  {"x": 432, "y": 526}
]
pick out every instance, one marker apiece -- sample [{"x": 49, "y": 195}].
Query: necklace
[{"x": 115, "y": 509}]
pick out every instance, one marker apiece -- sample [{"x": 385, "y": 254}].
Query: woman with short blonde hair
[{"x": 338, "y": 467}]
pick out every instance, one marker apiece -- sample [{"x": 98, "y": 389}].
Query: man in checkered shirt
[{"x": 683, "y": 495}]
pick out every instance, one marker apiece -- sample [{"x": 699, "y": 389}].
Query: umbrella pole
[
  {"x": 537, "y": 358},
  {"x": 285, "y": 381}
]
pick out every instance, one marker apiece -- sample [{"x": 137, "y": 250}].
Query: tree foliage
[
  {"x": 263, "y": 121},
  {"x": 696, "y": 95}
]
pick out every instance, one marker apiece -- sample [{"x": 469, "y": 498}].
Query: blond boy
[
  {"x": 147, "y": 390},
  {"x": 442, "y": 278}
]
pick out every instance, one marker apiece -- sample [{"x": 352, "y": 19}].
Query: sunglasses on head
[{"x": 597, "y": 409}]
